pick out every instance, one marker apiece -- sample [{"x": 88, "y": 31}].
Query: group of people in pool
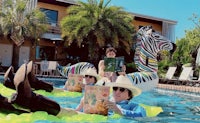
[{"x": 24, "y": 81}]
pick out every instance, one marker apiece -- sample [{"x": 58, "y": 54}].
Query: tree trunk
[
  {"x": 94, "y": 55},
  {"x": 15, "y": 56}
]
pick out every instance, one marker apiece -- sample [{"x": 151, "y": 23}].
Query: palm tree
[
  {"x": 97, "y": 24},
  {"x": 18, "y": 23}
]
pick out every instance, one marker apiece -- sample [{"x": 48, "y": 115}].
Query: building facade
[{"x": 51, "y": 46}]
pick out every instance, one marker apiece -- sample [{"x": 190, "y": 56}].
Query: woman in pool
[
  {"x": 91, "y": 78},
  {"x": 30, "y": 101},
  {"x": 112, "y": 76}
]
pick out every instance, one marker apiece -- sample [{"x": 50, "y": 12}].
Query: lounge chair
[
  {"x": 184, "y": 77},
  {"x": 195, "y": 83},
  {"x": 44, "y": 68},
  {"x": 48, "y": 68},
  {"x": 169, "y": 75},
  {"x": 198, "y": 57},
  {"x": 52, "y": 67}
]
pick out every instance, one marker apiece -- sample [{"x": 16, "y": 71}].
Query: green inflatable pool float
[
  {"x": 152, "y": 111},
  {"x": 7, "y": 92},
  {"x": 43, "y": 116}
]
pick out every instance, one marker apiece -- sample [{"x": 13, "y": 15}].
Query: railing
[
  {"x": 46, "y": 69},
  {"x": 54, "y": 28}
]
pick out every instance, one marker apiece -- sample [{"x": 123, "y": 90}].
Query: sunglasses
[
  {"x": 88, "y": 76},
  {"x": 120, "y": 89}
]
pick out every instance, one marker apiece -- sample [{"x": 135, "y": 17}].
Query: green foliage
[
  {"x": 132, "y": 65},
  {"x": 97, "y": 24},
  {"x": 163, "y": 66},
  {"x": 18, "y": 20},
  {"x": 185, "y": 47}
]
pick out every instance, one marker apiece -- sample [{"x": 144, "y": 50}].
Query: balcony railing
[{"x": 54, "y": 28}]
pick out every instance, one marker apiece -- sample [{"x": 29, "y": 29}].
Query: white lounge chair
[
  {"x": 195, "y": 83},
  {"x": 169, "y": 75},
  {"x": 44, "y": 68},
  {"x": 52, "y": 67},
  {"x": 184, "y": 77},
  {"x": 48, "y": 68},
  {"x": 170, "y": 72},
  {"x": 198, "y": 57}
]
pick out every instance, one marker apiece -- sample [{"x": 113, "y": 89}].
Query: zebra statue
[
  {"x": 78, "y": 68},
  {"x": 149, "y": 43}
]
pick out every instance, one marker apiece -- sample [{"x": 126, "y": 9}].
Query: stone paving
[{"x": 183, "y": 88}]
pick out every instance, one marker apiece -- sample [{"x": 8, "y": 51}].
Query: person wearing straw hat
[
  {"x": 91, "y": 78},
  {"x": 112, "y": 76},
  {"x": 123, "y": 92}
]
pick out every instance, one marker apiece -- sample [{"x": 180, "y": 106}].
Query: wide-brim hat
[
  {"x": 92, "y": 72},
  {"x": 125, "y": 82},
  {"x": 103, "y": 81}
]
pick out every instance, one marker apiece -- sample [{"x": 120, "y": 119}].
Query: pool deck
[{"x": 182, "y": 88}]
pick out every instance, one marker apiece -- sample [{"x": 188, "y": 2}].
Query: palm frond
[{"x": 98, "y": 23}]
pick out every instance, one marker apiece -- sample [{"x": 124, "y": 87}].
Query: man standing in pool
[
  {"x": 123, "y": 92},
  {"x": 27, "y": 99}
]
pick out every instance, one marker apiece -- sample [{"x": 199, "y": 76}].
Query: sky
[{"x": 176, "y": 10}]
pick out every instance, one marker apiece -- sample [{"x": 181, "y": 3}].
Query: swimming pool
[{"x": 178, "y": 107}]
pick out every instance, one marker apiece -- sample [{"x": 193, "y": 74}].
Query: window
[
  {"x": 45, "y": 52},
  {"x": 52, "y": 16}
]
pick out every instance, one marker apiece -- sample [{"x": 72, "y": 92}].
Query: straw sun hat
[
  {"x": 92, "y": 72},
  {"x": 124, "y": 82}
]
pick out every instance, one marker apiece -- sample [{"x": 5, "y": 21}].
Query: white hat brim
[
  {"x": 96, "y": 76},
  {"x": 135, "y": 91}
]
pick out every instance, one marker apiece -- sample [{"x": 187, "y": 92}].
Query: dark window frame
[{"x": 52, "y": 15}]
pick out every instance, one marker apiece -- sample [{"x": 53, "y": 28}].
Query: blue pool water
[{"x": 178, "y": 107}]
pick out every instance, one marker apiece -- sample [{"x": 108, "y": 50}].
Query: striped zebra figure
[
  {"x": 78, "y": 68},
  {"x": 149, "y": 43}
]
